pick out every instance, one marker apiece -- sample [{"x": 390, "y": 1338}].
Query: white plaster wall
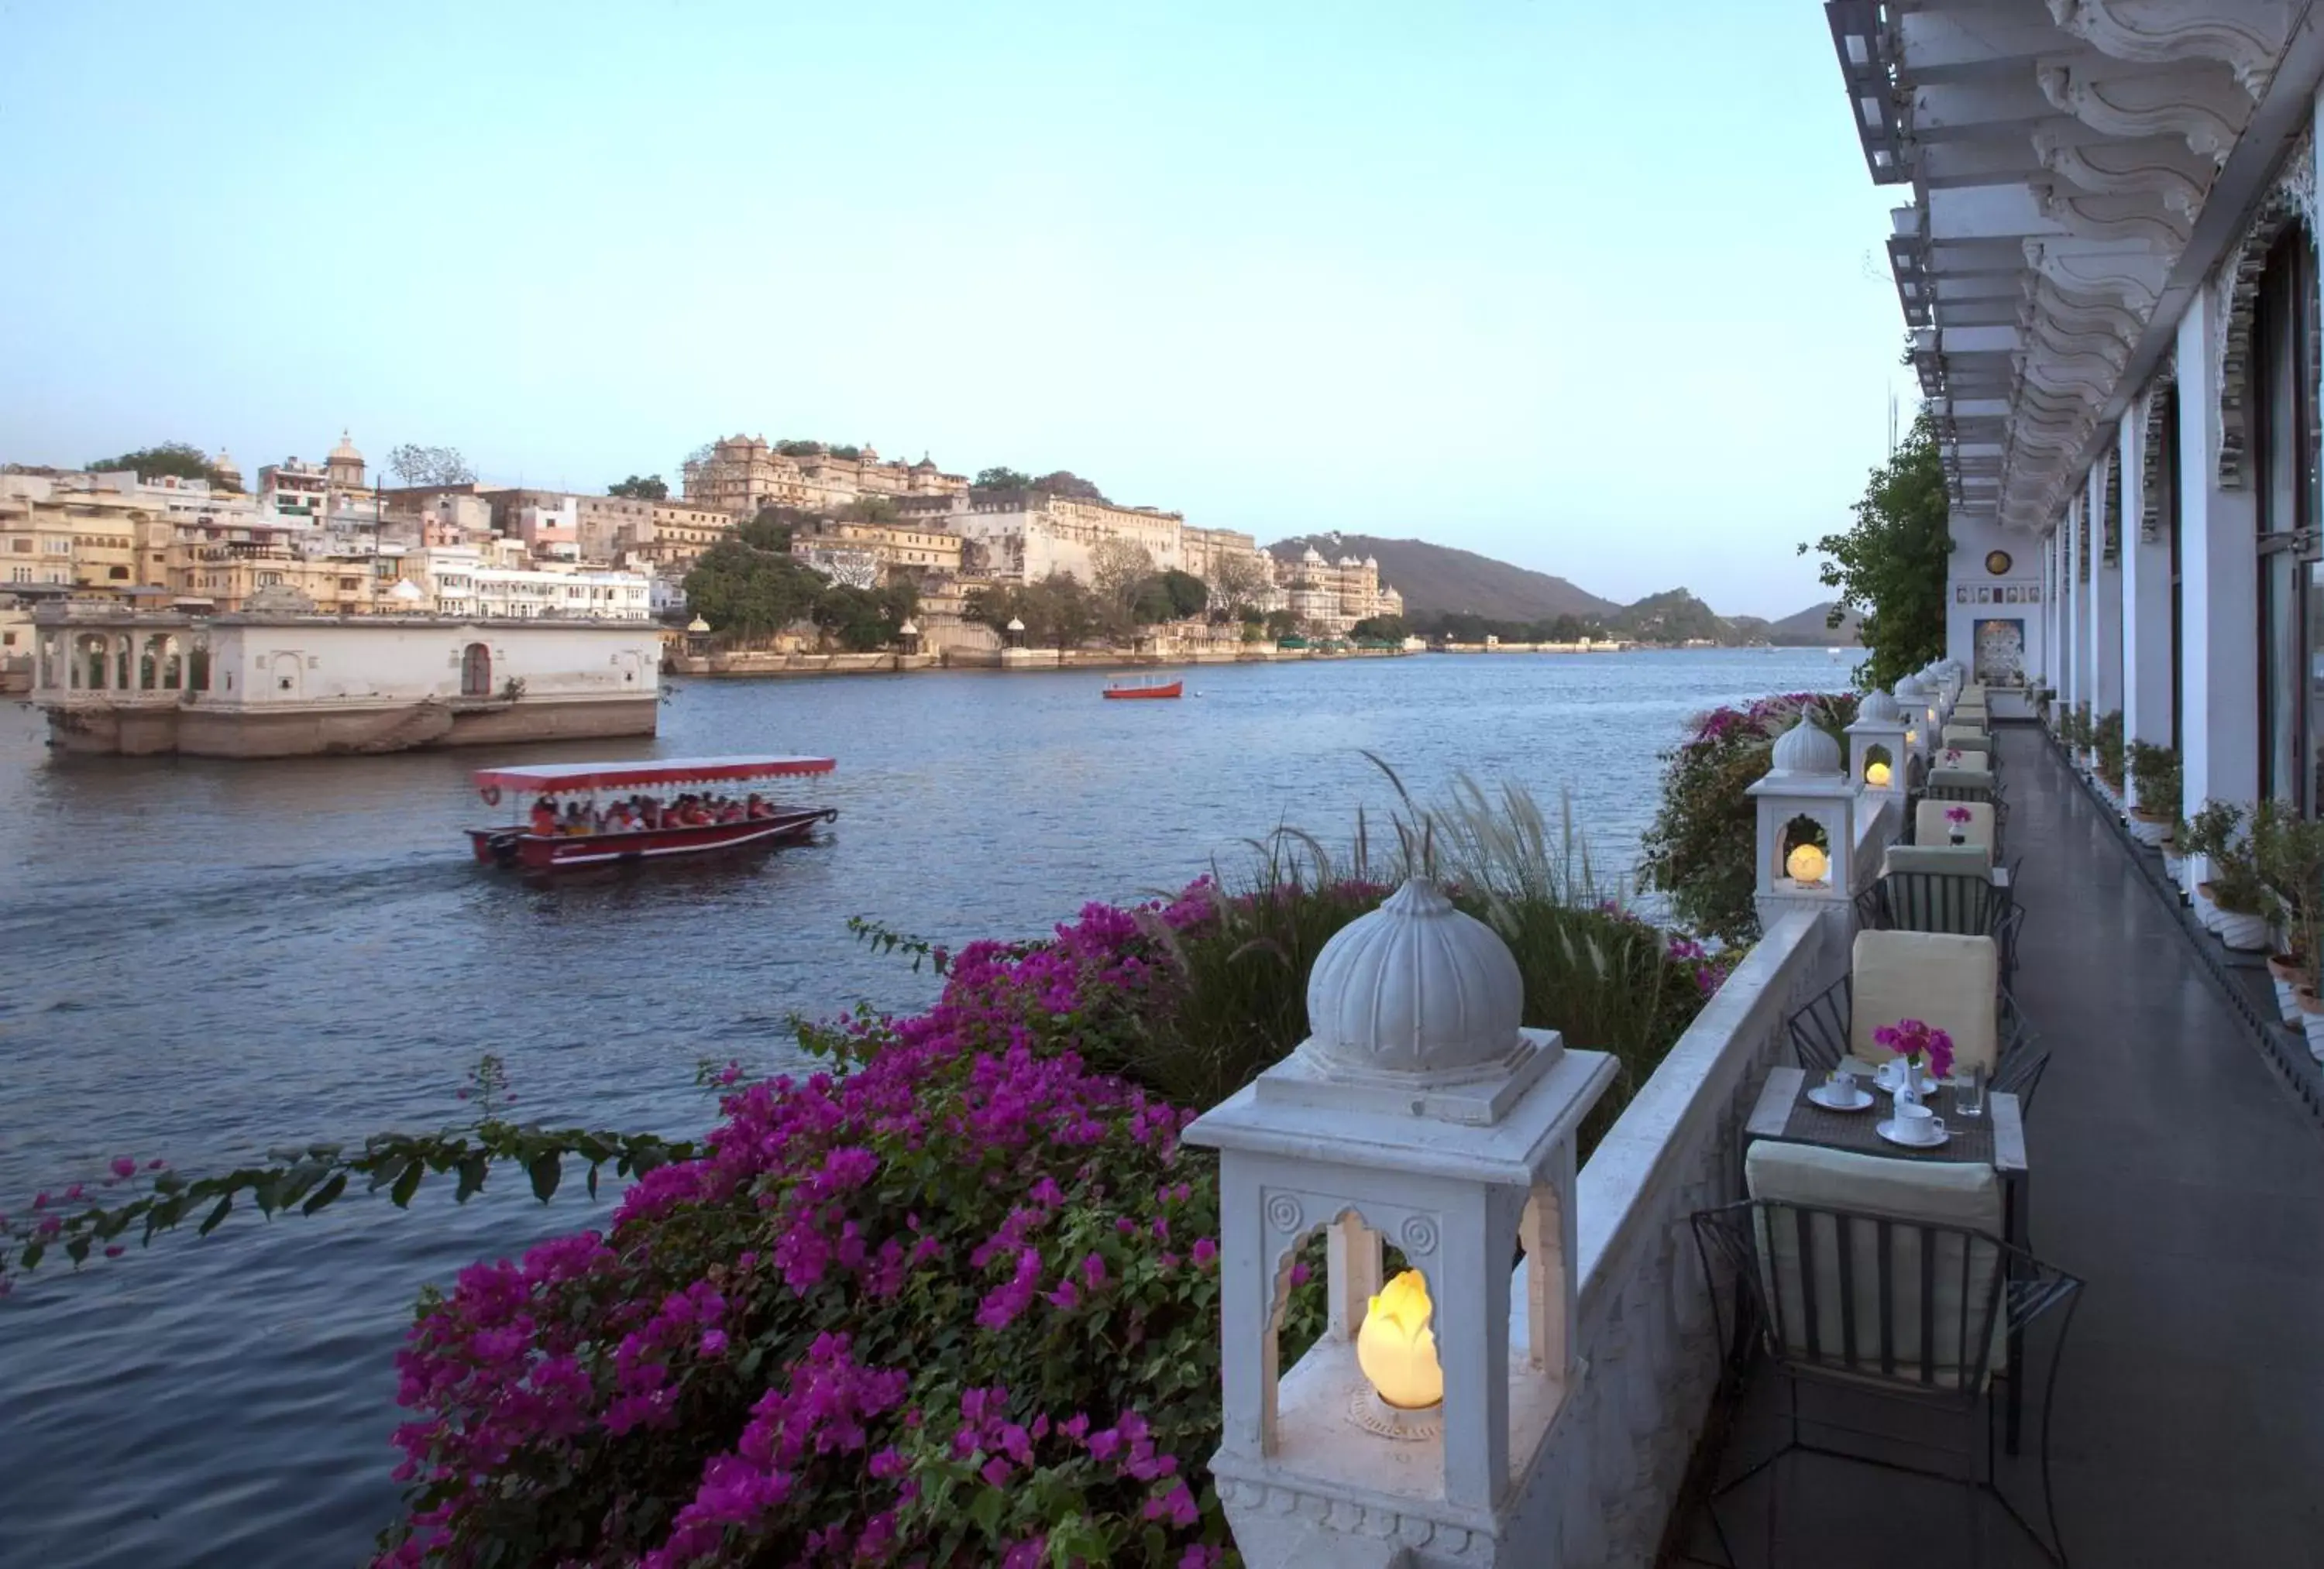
[
  {"x": 411, "y": 661},
  {"x": 2145, "y": 598},
  {"x": 1974, "y": 540}
]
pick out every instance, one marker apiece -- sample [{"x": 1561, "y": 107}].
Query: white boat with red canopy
[{"x": 579, "y": 814}]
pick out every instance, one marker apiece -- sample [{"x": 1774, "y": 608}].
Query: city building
[
  {"x": 463, "y": 581},
  {"x": 61, "y": 530},
  {"x": 279, "y": 681},
  {"x": 1329, "y": 597},
  {"x": 899, "y": 548},
  {"x": 741, "y": 474}
]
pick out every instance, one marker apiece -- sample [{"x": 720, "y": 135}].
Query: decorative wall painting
[{"x": 1999, "y": 652}]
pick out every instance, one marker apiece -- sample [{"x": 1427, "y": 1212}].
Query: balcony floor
[{"x": 2176, "y": 1173}]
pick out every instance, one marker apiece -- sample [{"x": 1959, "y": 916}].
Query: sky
[{"x": 1594, "y": 289}]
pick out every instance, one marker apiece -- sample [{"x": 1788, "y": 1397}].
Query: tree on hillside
[
  {"x": 772, "y": 529},
  {"x": 1186, "y": 593},
  {"x": 863, "y": 619},
  {"x": 179, "y": 459},
  {"x": 1065, "y": 482},
  {"x": 750, "y": 592},
  {"x": 1890, "y": 566},
  {"x": 430, "y": 465},
  {"x": 869, "y": 510},
  {"x": 640, "y": 488},
  {"x": 1236, "y": 581},
  {"x": 1379, "y": 629},
  {"x": 1058, "y": 611},
  {"x": 797, "y": 449},
  {"x": 1281, "y": 623},
  {"x": 1000, "y": 479},
  {"x": 1117, "y": 568}
]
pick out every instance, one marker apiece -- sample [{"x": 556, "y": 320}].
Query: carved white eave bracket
[
  {"x": 2131, "y": 273},
  {"x": 2197, "y": 102},
  {"x": 2091, "y": 215},
  {"x": 2249, "y": 36},
  {"x": 2157, "y": 166}
]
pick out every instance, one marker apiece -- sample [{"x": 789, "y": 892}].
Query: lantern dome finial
[
  {"x": 1878, "y": 707},
  {"x": 1806, "y": 749},
  {"x": 1415, "y": 992}
]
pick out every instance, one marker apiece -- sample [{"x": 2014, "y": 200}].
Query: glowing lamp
[
  {"x": 1911, "y": 737},
  {"x": 1877, "y": 774},
  {"x": 1397, "y": 1349},
  {"x": 1805, "y": 863}
]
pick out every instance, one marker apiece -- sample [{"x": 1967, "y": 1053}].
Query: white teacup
[
  {"x": 1917, "y": 1124},
  {"x": 1841, "y": 1087}
]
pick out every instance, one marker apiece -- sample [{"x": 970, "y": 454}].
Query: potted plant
[
  {"x": 2155, "y": 777},
  {"x": 2105, "y": 741},
  {"x": 2289, "y": 850},
  {"x": 2074, "y": 731},
  {"x": 2208, "y": 835}
]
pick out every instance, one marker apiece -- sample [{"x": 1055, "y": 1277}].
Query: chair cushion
[
  {"x": 1930, "y": 827},
  {"x": 1963, "y": 1194},
  {"x": 1979, "y": 744},
  {"x": 1951, "y": 982},
  {"x": 1967, "y": 860},
  {"x": 1963, "y": 732}
]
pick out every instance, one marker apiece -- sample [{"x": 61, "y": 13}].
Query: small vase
[{"x": 1957, "y": 838}]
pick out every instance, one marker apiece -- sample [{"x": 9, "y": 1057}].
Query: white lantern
[
  {"x": 1810, "y": 781},
  {"x": 1416, "y": 1111},
  {"x": 1881, "y": 728}
]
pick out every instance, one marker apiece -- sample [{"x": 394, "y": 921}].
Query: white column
[
  {"x": 2105, "y": 603},
  {"x": 2146, "y": 596},
  {"x": 2218, "y": 574},
  {"x": 2070, "y": 599}
]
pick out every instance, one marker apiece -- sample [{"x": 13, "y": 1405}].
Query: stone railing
[{"x": 1603, "y": 1490}]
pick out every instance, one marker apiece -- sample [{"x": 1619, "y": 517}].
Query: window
[{"x": 21, "y": 546}]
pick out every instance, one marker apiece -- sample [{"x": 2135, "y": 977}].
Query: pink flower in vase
[
  {"x": 1958, "y": 816},
  {"x": 1923, "y": 1046},
  {"x": 1952, "y": 758}
]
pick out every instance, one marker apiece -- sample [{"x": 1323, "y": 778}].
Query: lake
[{"x": 205, "y": 958}]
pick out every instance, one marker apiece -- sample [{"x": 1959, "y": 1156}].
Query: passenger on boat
[
  {"x": 757, "y": 806},
  {"x": 576, "y": 818},
  {"x": 544, "y": 816}
]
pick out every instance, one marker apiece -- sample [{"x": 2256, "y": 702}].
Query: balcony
[{"x": 2176, "y": 1172}]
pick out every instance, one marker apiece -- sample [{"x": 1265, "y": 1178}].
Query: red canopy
[{"x": 654, "y": 773}]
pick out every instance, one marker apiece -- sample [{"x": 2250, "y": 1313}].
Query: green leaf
[
  {"x": 546, "y": 1170},
  {"x": 474, "y": 1168},
  {"x": 326, "y": 1193},
  {"x": 216, "y": 1216},
  {"x": 407, "y": 1182},
  {"x": 985, "y": 1508}
]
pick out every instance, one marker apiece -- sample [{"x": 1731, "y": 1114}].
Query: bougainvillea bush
[
  {"x": 953, "y": 1302},
  {"x": 1700, "y": 850}
]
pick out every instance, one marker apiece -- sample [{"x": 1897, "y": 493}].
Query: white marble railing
[{"x": 1604, "y": 1486}]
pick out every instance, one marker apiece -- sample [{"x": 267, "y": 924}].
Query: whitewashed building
[
  {"x": 2106, "y": 255},
  {"x": 279, "y": 683}
]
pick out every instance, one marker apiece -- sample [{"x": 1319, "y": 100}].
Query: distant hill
[
  {"x": 1672, "y": 616},
  {"x": 1807, "y": 630},
  {"x": 1436, "y": 580}
]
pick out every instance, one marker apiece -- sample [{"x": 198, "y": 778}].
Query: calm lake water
[{"x": 206, "y": 958}]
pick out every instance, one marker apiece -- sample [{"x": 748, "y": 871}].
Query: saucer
[
  {"x": 1824, "y": 1095},
  {"x": 1886, "y": 1128}
]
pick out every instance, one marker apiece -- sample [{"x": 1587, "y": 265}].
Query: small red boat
[
  {"x": 667, "y": 806},
  {"x": 1164, "y": 689}
]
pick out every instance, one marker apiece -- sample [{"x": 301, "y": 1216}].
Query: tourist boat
[
  {"x": 1151, "y": 689},
  {"x": 663, "y": 779}
]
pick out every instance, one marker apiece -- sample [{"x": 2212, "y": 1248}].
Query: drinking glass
[{"x": 1969, "y": 1093}]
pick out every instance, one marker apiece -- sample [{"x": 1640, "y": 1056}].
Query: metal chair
[
  {"x": 1820, "y": 1033},
  {"x": 1965, "y": 905},
  {"x": 1902, "y": 1309}
]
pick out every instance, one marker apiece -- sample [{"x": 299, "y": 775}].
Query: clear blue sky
[{"x": 1588, "y": 286}]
